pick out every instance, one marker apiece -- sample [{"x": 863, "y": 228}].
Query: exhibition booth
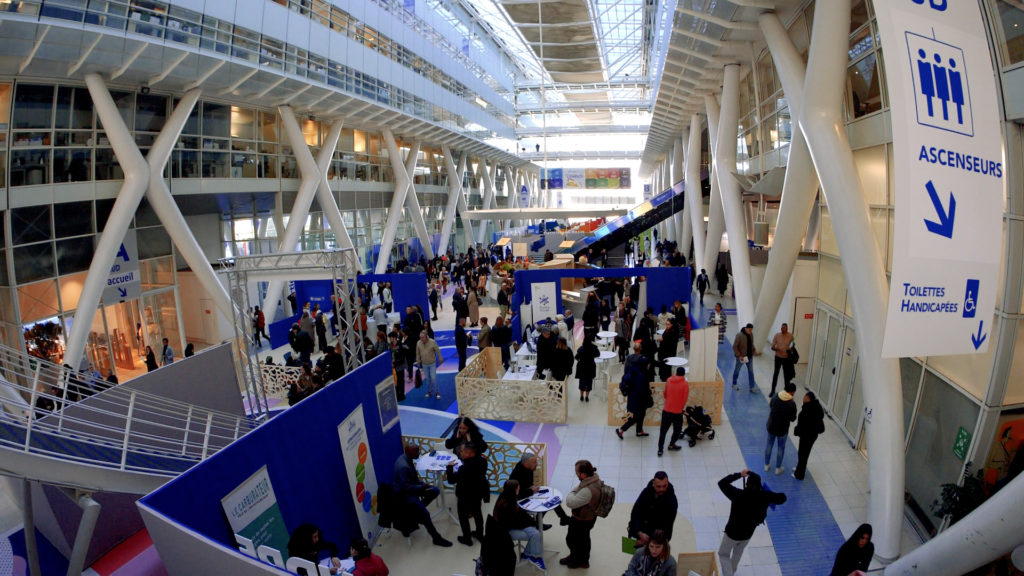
[{"x": 320, "y": 462}]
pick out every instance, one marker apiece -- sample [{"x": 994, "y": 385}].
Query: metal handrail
[{"x": 57, "y": 401}]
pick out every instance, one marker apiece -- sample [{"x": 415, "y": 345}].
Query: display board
[
  {"x": 948, "y": 173},
  {"x": 586, "y": 179}
]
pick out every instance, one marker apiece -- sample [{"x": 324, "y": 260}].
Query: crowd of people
[{"x": 644, "y": 340}]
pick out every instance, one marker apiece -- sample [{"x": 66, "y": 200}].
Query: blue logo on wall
[
  {"x": 941, "y": 94},
  {"x": 544, "y": 300},
  {"x": 971, "y": 298}
]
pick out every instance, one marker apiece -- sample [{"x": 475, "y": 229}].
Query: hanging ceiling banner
[{"x": 948, "y": 174}]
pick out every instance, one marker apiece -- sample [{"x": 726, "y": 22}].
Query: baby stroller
[{"x": 698, "y": 425}]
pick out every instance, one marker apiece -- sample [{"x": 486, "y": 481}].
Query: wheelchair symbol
[{"x": 971, "y": 298}]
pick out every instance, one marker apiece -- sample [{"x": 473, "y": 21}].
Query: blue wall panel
[{"x": 302, "y": 452}]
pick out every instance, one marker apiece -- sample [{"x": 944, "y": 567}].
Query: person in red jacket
[
  {"x": 677, "y": 391},
  {"x": 367, "y": 563}
]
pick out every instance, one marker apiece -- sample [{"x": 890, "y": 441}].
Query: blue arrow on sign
[
  {"x": 944, "y": 227},
  {"x": 979, "y": 338},
  {"x": 122, "y": 292}
]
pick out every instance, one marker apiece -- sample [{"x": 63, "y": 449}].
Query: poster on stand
[
  {"x": 362, "y": 480},
  {"x": 253, "y": 512},
  {"x": 544, "y": 300}
]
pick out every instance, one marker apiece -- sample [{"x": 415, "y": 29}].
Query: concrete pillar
[
  {"x": 822, "y": 123},
  {"x": 136, "y": 180},
  {"x": 716, "y": 217},
  {"x": 799, "y": 188},
  {"x": 694, "y": 192},
  {"x": 387, "y": 241},
  {"x": 309, "y": 169},
  {"x": 454, "y": 193},
  {"x": 732, "y": 202},
  {"x": 412, "y": 203}
]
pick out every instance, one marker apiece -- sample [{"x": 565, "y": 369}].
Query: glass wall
[{"x": 180, "y": 25}]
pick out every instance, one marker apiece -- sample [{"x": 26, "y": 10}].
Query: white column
[
  {"x": 412, "y": 203},
  {"x": 668, "y": 224},
  {"x": 813, "y": 225},
  {"x": 487, "y": 175},
  {"x": 822, "y": 123},
  {"x": 136, "y": 180},
  {"x": 799, "y": 188},
  {"x": 725, "y": 165},
  {"x": 387, "y": 240},
  {"x": 166, "y": 208},
  {"x": 325, "y": 195},
  {"x": 311, "y": 178},
  {"x": 694, "y": 194},
  {"x": 716, "y": 217},
  {"x": 512, "y": 183},
  {"x": 684, "y": 227},
  {"x": 992, "y": 530},
  {"x": 467, "y": 224},
  {"x": 454, "y": 192}
]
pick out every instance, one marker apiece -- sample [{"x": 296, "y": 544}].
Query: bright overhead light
[{"x": 481, "y": 102}]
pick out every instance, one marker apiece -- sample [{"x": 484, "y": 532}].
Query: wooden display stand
[{"x": 701, "y": 563}]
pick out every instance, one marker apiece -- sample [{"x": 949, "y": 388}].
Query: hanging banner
[
  {"x": 524, "y": 197},
  {"x": 948, "y": 175},
  {"x": 575, "y": 178},
  {"x": 123, "y": 281},
  {"x": 253, "y": 513},
  {"x": 355, "y": 451},
  {"x": 544, "y": 300}
]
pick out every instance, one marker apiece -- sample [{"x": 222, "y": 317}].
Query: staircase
[{"x": 68, "y": 429}]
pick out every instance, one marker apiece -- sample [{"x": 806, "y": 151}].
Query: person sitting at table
[
  {"x": 667, "y": 348},
  {"x": 654, "y": 559},
  {"x": 465, "y": 431},
  {"x": 307, "y": 543},
  {"x": 523, "y": 471},
  {"x": 518, "y": 522},
  {"x": 367, "y": 563},
  {"x": 471, "y": 487},
  {"x": 561, "y": 362},
  {"x": 413, "y": 494}
]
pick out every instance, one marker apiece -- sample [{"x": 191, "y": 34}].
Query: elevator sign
[
  {"x": 948, "y": 175},
  {"x": 123, "y": 282}
]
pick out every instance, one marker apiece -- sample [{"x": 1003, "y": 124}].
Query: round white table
[
  {"x": 433, "y": 467},
  {"x": 676, "y": 361},
  {"x": 545, "y": 500},
  {"x": 607, "y": 334},
  {"x": 604, "y": 359}
]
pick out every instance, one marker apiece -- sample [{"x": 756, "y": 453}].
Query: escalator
[{"x": 633, "y": 223}]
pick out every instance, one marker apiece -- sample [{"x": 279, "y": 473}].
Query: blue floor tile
[{"x": 804, "y": 532}]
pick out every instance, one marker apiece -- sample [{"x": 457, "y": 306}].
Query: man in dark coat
[
  {"x": 667, "y": 348},
  {"x": 399, "y": 353},
  {"x": 501, "y": 337},
  {"x": 462, "y": 339},
  {"x": 743, "y": 350},
  {"x": 561, "y": 360},
  {"x": 809, "y": 425},
  {"x": 639, "y": 399},
  {"x": 782, "y": 411},
  {"x": 654, "y": 509},
  {"x": 545, "y": 349},
  {"x": 703, "y": 282},
  {"x": 471, "y": 488},
  {"x": 749, "y": 509}
]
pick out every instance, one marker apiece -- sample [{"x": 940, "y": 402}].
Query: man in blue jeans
[
  {"x": 743, "y": 349},
  {"x": 782, "y": 412},
  {"x": 428, "y": 354}
]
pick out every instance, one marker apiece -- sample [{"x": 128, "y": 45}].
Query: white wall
[{"x": 192, "y": 294}]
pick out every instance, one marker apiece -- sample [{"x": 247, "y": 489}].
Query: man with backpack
[
  {"x": 590, "y": 499},
  {"x": 749, "y": 509}
]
